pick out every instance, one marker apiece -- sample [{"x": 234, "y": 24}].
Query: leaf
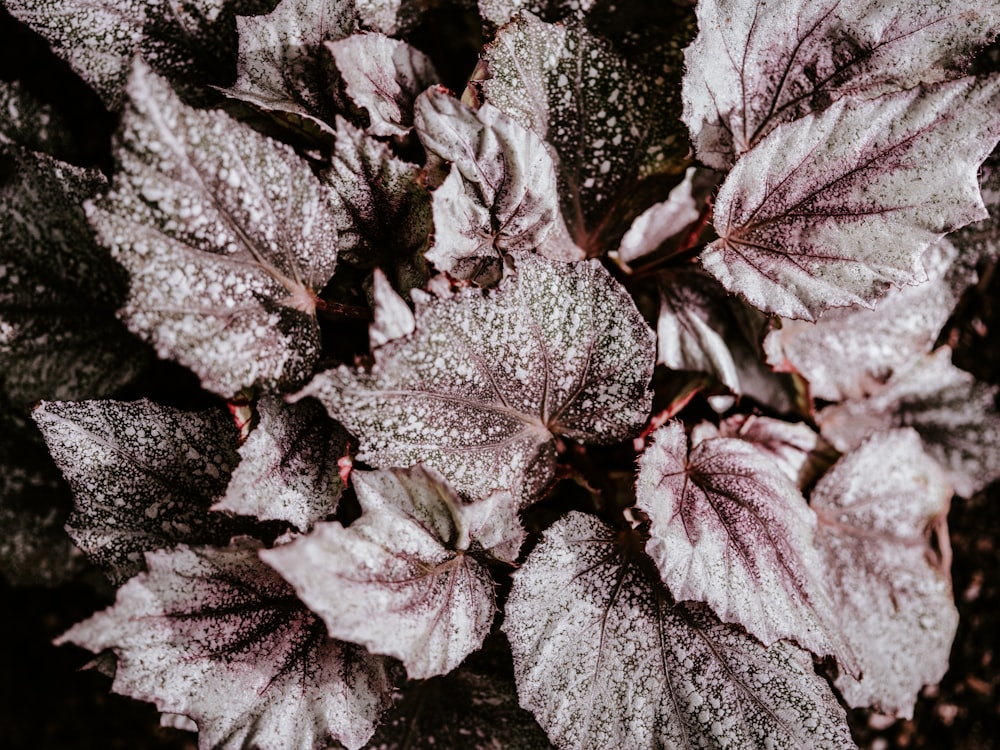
[
  {"x": 702, "y": 328},
  {"x": 487, "y": 380},
  {"x": 283, "y": 66},
  {"x": 383, "y": 77},
  {"x": 143, "y": 476},
  {"x": 217, "y": 636},
  {"x": 35, "y": 124},
  {"x": 191, "y": 43},
  {"x": 288, "y": 466},
  {"x": 227, "y": 237},
  {"x": 604, "y": 661},
  {"x": 59, "y": 290},
  {"x": 955, "y": 415},
  {"x": 804, "y": 219},
  {"x": 755, "y": 65},
  {"x": 878, "y": 508},
  {"x": 404, "y": 580},
  {"x": 501, "y": 196},
  {"x": 729, "y": 528},
  {"x": 392, "y": 318},
  {"x": 389, "y": 17},
  {"x": 383, "y": 209},
  {"x": 613, "y": 126},
  {"x": 851, "y": 351},
  {"x": 34, "y": 503}
]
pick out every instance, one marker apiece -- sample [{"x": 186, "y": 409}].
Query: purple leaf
[
  {"x": 228, "y": 238},
  {"x": 827, "y": 211},
  {"x": 878, "y": 509},
  {"x": 217, "y": 636},
  {"x": 729, "y": 528},
  {"x": 603, "y": 660},
  {"x": 755, "y": 65},
  {"x": 404, "y": 579},
  {"x": 487, "y": 380}
]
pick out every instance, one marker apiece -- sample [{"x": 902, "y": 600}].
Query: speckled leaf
[
  {"x": 878, "y": 509},
  {"x": 288, "y": 466},
  {"x": 390, "y": 17},
  {"x": 34, "y": 504},
  {"x": 227, "y": 236},
  {"x": 215, "y": 635},
  {"x": 757, "y": 64},
  {"x": 604, "y": 661},
  {"x": 702, "y": 328},
  {"x": 383, "y": 77},
  {"x": 191, "y": 42},
  {"x": 613, "y": 126},
  {"x": 59, "y": 290},
  {"x": 488, "y": 379},
  {"x": 955, "y": 415},
  {"x": 283, "y": 65},
  {"x": 35, "y": 124},
  {"x": 827, "y": 211},
  {"x": 729, "y": 528},
  {"x": 143, "y": 476},
  {"x": 851, "y": 351},
  {"x": 405, "y": 579},
  {"x": 383, "y": 209},
  {"x": 501, "y": 195}
]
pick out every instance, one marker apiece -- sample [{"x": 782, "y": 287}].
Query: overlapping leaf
[
  {"x": 755, "y": 65},
  {"x": 851, "y": 351},
  {"x": 383, "y": 77},
  {"x": 402, "y": 579},
  {"x": 288, "y": 466},
  {"x": 501, "y": 195},
  {"x": 827, "y": 211},
  {"x": 215, "y": 635},
  {"x": 35, "y": 124},
  {"x": 878, "y": 508},
  {"x": 613, "y": 126},
  {"x": 604, "y": 661},
  {"x": 487, "y": 380},
  {"x": 283, "y": 66},
  {"x": 729, "y": 528},
  {"x": 390, "y": 17},
  {"x": 59, "y": 338},
  {"x": 227, "y": 236},
  {"x": 955, "y": 415},
  {"x": 143, "y": 476}
]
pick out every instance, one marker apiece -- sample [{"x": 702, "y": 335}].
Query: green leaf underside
[
  {"x": 804, "y": 217},
  {"x": 613, "y": 127},
  {"x": 59, "y": 337},
  {"x": 755, "y": 65},
  {"x": 143, "y": 477},
  {"x": 400, "y": 580},
  {"x": 215, "y": 635},
  {"x": 877, "y": 508},
  {"x": 481, "y": 387},
  {"x": 227, "y": 236},
  {"x": 604, "y": 661},
  {"x": 729, "y": 528}
]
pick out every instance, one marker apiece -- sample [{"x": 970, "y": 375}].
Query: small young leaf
[
  {"x": 827, "y": 211},
  {"x": 604, "y": 661},
  {"x": 392, "y": 318},
  {"x": 501, "y": 195},
  {"x": 402, "y": 580},
  {"x": 228, "y": 238},
  {"x": 487, "y": 380},
  {"x": 215, "y": 635},
  {"x": 877, "y": 509},
  {"x": 143, "y": 476},
  {"x": 59, "y": 338},
  {"x": 383, "y": 77},
  {"x": 288, "y": 466},
  {"x": 955, "y": 415},
  {"x": 755, "y": 65},
  {"x": 851, "y": 351},
  {"x": 729, "y": 528},
  {"x": 283, "y": 66}
]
